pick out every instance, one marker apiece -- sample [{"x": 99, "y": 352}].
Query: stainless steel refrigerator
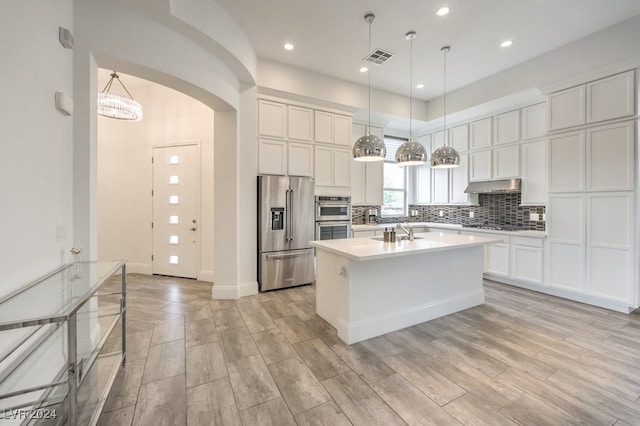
[{"x": 285, "y": 227}]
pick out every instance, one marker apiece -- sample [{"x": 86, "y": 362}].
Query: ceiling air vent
[{"x": 378, "y": 56}]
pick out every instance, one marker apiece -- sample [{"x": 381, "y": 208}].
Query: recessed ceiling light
[
  {"x": 364, "y": 69},
  {"x": 288, "y": 46},
  {"x": 419, "y": 86},
  {"x": 506, "y": 43},
  {"x": 442, "y": 11}
]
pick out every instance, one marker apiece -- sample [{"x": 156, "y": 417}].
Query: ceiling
[{"x": 331, "y": 36}]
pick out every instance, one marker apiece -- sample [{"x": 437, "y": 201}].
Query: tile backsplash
[{"x": 498, "y": 209}]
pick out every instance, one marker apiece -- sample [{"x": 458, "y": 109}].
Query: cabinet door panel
[
  {"x": 526, "y": 264},
  {"x": 423, "y": 184},
  {"x": 373, "y": 182},
  {"x": 481, "y": 133},
  {"x": 440, "y": 185},
  {"x": 497, "y": 259},
  {"x": 611, "y": 97},
  {"x": 272, "y": 119},
  {"x": 507, "y": 127},
  {"x": 342, "y": 130},
  {"x": 506, "y": 162},
  {"x": 460, "y": 138},
  {"x": 566, "y": 266},
  {"x": 300, "y": 161},
  {"x": 533, "y": 157},
  {"x": 567, "y": 108},
  {"x": 300, "y": 123},
  {"x": 342, "y": 167},
  {"x": 610, "y": 157},
  {"x": 480, "y": 165},
  {"x": 534, "y": 121},
  {"x": 272, "y": 157},
  {"x": 566, "y": 226},
  {"x": 323, "y": 125},
  {"x": 566, "y": 162},
  {"x": 323, "y": 166},
  {"x": 460, "y": 180},
  {"x": 439, "y": 139},
  {"x": 358, "y": 182}
]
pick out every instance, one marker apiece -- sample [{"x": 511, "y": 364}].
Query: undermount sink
[{"x": 398, "y": 238}]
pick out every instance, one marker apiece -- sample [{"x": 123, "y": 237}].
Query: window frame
[{"x": 390, "y": 159}]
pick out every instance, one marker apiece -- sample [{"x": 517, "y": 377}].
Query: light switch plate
[{"x": 534, "y": 217}]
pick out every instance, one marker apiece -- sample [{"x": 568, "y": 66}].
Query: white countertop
[
  {"x": 369, "y": 249},
  {"x": 435, "y": 225}
]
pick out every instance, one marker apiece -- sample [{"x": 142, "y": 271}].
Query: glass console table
[{"x": 54, "y": 364}]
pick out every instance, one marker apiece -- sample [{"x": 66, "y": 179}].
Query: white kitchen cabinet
[
  {"x": 610, "y": 157},
  {"x": 480, "y": 165},
  {"x": 496, "y": 257},
  {"x": 363, "y": 234},
  {"x": 459, "y": 179},
  {"x": 439, "y": 139},
  {"x": 342, "y": 130},
  {"x": 300, "y": 123},
  {"x": 527, "y": 259},
  {"x": 440, "y": 192},
  {"x": 332, "y": 166},
  {"x": 272, "y": 119},
  {"x": 272, "y": 157},
  {"x": 566, "y": 228},
  {"x": 506, "y": 162},
  {"x": 480, "y": 133},
  {"x": 534, "y": 121},
  {"x": 611, "y": 97},
  {"x": 533, "y": 160},
  {"x": 422, "y": 175},
  {"x": 567, "y": 162},
  {"x": 506, "y": 127},
  {"x": 300, "y": 159},
  {"x": 610, "y": 245},
  {"x": 332, "y": 128},
  {"x": 460, "y": 138},
  {"x": 567, "y": 108}
]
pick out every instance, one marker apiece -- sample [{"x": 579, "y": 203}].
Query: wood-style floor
[{"x": 522, "y": 358}]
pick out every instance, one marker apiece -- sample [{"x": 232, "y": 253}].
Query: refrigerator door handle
[
  {"x": 287, "y": 217},
  {"x": 291, "y": 235}
]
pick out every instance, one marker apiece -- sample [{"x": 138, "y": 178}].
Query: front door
[{"x": 175, "y": 226}]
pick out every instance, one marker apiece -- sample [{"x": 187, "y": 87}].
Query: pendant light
[
  {"x": 116, "y": 106},
  {"x": 445, "y": 157},
  {"x": 411, "y": 153},
  {"x": 369, "y": 147}
]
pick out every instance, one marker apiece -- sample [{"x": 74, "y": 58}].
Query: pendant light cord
[
  {"x": 444, "y": 90},
  {"x": 411, "y": 88},
  {"x": 369, "y": 76}
]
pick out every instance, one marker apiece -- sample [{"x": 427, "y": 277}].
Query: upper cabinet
[
  {"x": 300, "y": 123},
  {"x": 366, "y": 176},
  {"x": 272, "y": 119},
  {"x": 481, "y": 133},
  {"x": 460, "y": 138},
  {"x": 507, "y": 127},
  {"x": 534, "y": 121},
  {"x": 332, "y": 128},
  {"x": 601, "y": 100}
]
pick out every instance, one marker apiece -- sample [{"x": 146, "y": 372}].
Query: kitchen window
[{"x": 394, "y": 191}]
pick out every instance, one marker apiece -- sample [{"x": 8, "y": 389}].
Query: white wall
[
  {"x": 125, "y": 174},
  {"x": 36, "y": 163}
]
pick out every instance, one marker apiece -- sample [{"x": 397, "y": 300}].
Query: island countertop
[{"x": 368, "y": 248}]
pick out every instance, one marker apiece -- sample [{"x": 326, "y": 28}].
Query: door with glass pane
[{"x": 175, "y": 226}]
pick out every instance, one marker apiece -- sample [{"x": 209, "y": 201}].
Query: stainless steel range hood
[{"x": 493, "y": 186}]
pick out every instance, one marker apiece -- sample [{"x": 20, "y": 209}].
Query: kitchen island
[{"x": 366, "y": 287}]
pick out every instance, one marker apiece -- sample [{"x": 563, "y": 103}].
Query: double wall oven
[{"x": 333, "y": 217}]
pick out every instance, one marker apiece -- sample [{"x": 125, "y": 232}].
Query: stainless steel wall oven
[{"x": 333, "y": 217}]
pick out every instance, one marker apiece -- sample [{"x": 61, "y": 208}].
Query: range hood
[{"x": 493, "y": 186}]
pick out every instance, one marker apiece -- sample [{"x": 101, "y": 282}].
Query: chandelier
[{"x": 116, "y": 106}]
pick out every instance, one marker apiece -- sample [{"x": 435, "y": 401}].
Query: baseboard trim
[
  {"x": 205, "y": 275},
  {"x": 219, "y": 291}
]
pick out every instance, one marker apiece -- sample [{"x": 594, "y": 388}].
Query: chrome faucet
[{"x": 409, "y": 232}]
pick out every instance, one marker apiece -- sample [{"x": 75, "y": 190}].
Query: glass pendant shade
[
  {"x": 445, "y": 157},
  {"x": 116, "y": 106},
  {"x": 369, "y": 148},
  {"x": 411, "y": 154}
]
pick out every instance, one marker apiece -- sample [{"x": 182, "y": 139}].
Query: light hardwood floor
[{"x": 522, "y": 358}]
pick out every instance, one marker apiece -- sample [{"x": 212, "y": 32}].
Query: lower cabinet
[
  {"x": 526, "y": 260},
  {"x": 496, "y": 258}
]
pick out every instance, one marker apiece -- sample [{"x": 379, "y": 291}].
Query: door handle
[
  {"x": 193, "y": 229},
  {"x": 291, "y": 236}
]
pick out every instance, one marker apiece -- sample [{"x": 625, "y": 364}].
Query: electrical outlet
[
  {"x": 471, "y": 215},
  {"x": 440, "y": 213},
  {"x": 544, "y": 217},
  {"x": 61, "y": 233},
  {"x": 534, "y": 217}
]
